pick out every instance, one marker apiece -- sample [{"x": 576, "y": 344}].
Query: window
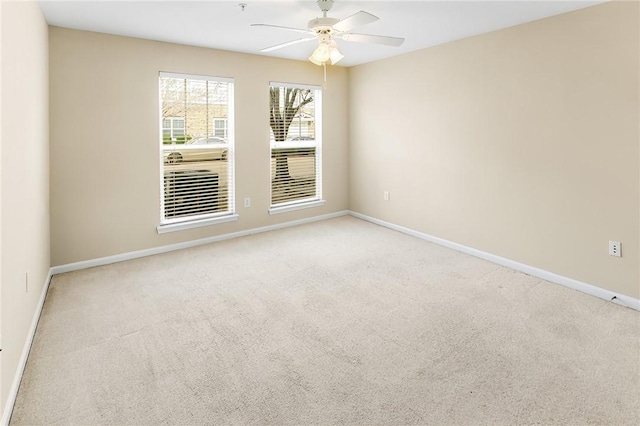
[
  {"x": 295, "y": 138},
  {"x": 220, "y": 127},
  {"x": 172, "y": 128},
  {"x": 197, "y": 161}
]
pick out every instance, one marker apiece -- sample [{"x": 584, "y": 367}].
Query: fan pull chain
[{"x": 324, "y": 65}]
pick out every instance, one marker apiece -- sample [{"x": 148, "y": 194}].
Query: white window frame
[
  {"x": 195, "y": 221},
  {"x": 316, "y": 143}
]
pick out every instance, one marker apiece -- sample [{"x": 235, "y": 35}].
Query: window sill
[
  {"x": 181, "y": 226},
  {"x": 299, "y": 206}
]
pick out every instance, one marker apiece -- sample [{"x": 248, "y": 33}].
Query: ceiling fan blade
[
  {"x": 299, "y": 30},
  {"x": 289, "y": 43},
  {"x": 356, "y": 20},
  {"x": 367, "y": 38}
]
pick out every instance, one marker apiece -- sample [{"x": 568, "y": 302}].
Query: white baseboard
[
  {"x": 13, "y": 391},
  {"x": 188, "y": 244},
  {"x": 599, "y": 292}
]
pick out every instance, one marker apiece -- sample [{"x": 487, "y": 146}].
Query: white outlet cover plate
[{"x": 615, "y": 248}]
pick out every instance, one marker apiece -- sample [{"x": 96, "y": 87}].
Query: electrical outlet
[
  {"x": 247, "y": 202},
  {"x": 386, "y": 195},
  {"x": 615, "y": 248}
]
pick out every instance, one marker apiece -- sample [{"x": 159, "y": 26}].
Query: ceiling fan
[{"x": 326, "y": 28}]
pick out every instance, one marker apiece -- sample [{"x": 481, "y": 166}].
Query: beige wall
[
  {"x": 24, "y": 169},
  {"x": 105, "y": 171},
  {"x": 523, "y": 143}
]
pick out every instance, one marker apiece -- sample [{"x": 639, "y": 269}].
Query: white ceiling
[{"x": 223, "y": 24}]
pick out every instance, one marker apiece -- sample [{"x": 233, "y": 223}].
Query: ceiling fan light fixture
[
  {"x": 334, "y": 54},
  {"x": 327, "y": 51},
  {"x": 313, "y": 60},
  {"x": 322, "y": 54}
]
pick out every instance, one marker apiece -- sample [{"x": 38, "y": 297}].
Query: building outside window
[
  {"x": 220, "y": 127},
  {"x": 172, "y": 128}
]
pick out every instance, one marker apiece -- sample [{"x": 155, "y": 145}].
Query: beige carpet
[{"x": 336, "y": 322}]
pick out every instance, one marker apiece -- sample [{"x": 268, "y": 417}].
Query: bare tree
[{"x": 285, "y": 105}]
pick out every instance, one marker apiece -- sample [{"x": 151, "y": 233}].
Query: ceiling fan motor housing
[{"x": 322, "y": 25}]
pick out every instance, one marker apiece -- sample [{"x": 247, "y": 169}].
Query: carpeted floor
[{"x": 335, "y": 322}]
